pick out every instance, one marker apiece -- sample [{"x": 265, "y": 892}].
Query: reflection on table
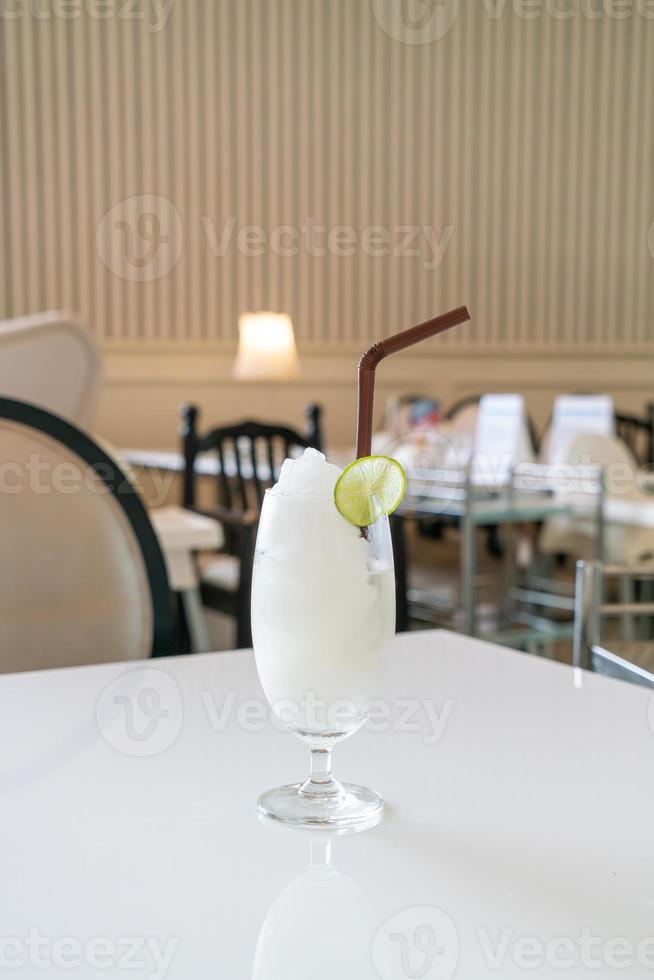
[{"x": 321, "y": 924}]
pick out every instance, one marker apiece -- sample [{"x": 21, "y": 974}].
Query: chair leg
[
  {"x": 628, "y": 623},
  {"x": 587, "y": 622},
  {"x": 196, "y": 621},
  {"x": 244, "y": 598},
  {"x": 182, "y": 633},
  {"x": 398, "y": 536},
  {"x": 493, "y": 543},
  {"x": 647, "y": 624},
  {"x": 243, "y": 634}
]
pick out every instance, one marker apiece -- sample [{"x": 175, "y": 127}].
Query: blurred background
[
  {"x": 211, "y": 208},
  {"x": 358, "y": 165}
]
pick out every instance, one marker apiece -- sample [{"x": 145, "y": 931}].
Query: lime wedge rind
[{"x": 369, "y": 488}]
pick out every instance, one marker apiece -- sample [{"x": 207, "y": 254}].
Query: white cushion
[{"x": 223, "y": 571}]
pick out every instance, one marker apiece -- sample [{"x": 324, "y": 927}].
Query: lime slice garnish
[{"x": 369, "y": 488}]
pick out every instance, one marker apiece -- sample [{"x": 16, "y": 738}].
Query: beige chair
[
  {"x": 82, "y": 577},
  {"x": 51, "y": 360},
  {"x": 574, "y": 535}
]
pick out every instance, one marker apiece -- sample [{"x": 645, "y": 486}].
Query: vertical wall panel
[{"x": 524, "y": 144}]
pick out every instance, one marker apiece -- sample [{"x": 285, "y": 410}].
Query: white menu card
[
  {"x": 501, "y": 439},
  {"x": 576, "y": 415}
]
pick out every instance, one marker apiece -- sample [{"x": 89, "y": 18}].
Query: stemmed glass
[{"x": 323, "y": 616}]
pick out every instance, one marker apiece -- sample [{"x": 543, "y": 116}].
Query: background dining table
[
  {"x": 182, "y": 533},
  {"x": 517, "y": 835}
]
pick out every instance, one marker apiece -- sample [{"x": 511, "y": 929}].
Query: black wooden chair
[
  {"x": 459, "y": 406},
  {"x": 638, "y": 434},
  {"x": 250, "y": 455}
]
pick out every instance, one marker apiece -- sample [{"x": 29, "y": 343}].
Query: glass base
[{"x": 345, "y": 808}]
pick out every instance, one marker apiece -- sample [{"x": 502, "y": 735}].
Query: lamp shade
[{"x": 266, "y": 347}]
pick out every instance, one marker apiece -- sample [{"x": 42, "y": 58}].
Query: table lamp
[{"x": 266, "y": 348}]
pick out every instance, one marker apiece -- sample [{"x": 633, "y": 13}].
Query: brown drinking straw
[{"x": 380, "y": 350}]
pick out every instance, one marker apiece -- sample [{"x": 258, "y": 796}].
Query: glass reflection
[{"x": 320, "y": 925}]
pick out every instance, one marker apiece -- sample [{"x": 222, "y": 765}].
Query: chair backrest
[
  {"x": 82, "y": 578},
  {"x": 591, "y": 609},
  {"x": 50, "y": 359},
  {"x": 471, "y": 401},
  {"x": 574, "y": 416},
  {"x": 250, "y": 455},
  {"x": 638, "y": 434}
]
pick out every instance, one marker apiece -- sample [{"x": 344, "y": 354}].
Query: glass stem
[
  {"x": 321, "y": 781},
  {"x": 321, "y": 766}
]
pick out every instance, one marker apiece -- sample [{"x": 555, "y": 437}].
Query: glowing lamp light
[{"x": 266, "y": 348}]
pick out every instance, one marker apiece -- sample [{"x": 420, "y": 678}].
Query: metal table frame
[{"x": 527, "y": 494}]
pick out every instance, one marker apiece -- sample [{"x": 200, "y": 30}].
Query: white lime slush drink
[{"x": 323, "y": 617}]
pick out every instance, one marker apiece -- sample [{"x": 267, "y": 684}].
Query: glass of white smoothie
[{"x": 323, "y": 617}]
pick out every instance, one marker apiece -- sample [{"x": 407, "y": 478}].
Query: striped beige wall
[{"x": 507, "y": 164}]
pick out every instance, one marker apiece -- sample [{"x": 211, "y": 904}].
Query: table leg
[
  {"x": 468, "y": 569},
  {"x": 506, "y": 606},
  {"x": 195, "y": 620},
  {"x": 600, "y": 520}
]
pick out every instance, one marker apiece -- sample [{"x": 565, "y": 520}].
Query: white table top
[
  {"x": 179, "y": 529},
  {"x": 165, "y": 459},
  {"x": 529, "y": 819},
  {"x": 206, "y": 464},
  {"x": 639, "y": 513}
]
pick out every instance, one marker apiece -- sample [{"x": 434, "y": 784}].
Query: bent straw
[{"x": 382, "y": 349}]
